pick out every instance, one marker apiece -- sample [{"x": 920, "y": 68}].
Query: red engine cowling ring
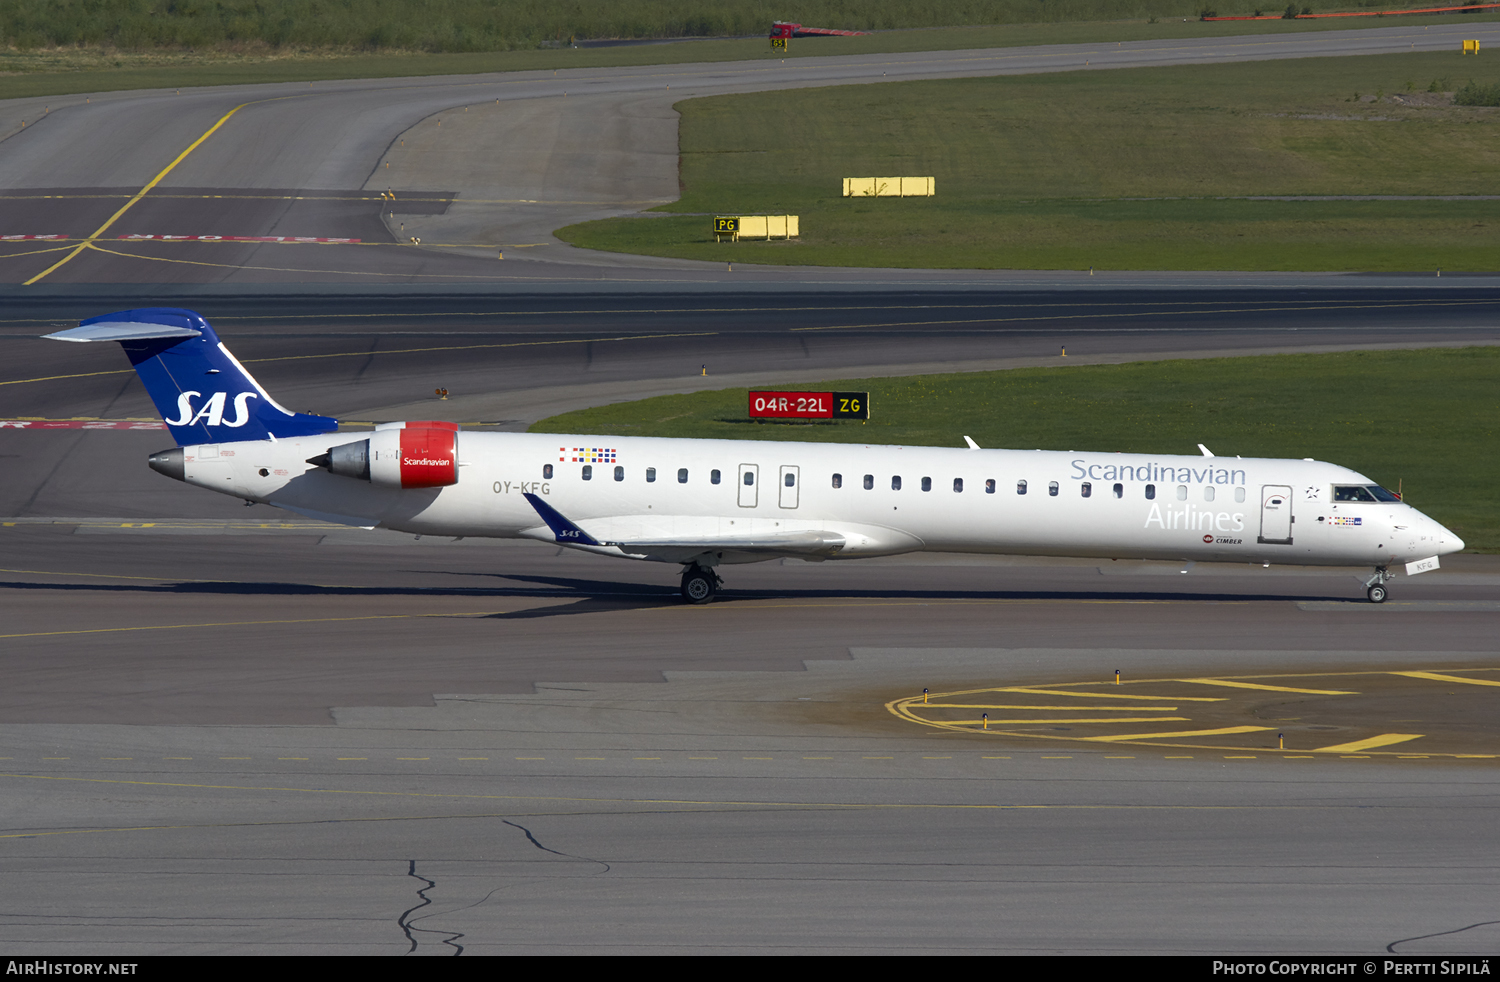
[{"x": 429, "y": 457}]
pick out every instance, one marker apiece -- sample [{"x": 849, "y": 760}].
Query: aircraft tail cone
[{"x": 169, "y": 462}]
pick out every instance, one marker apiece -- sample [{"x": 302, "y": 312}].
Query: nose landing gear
[
  {"x": 699, "y": 584},
  {"x": 1375, "y": 585}
]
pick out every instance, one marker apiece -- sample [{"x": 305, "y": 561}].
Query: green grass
[
  {"x": 1426, "y": 421},
  {"x": 70, "y": 68},
  {"x": 1034, "y": 171}
]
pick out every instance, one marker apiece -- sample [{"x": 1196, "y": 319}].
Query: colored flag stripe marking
[{"x": 80, "y": 424}]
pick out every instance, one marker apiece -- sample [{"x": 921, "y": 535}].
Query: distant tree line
[{"x": 501, "y": 25}]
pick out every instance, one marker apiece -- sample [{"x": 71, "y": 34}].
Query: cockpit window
[
  {"x": 1347, "y": 492},
  {"x": 1381, "y": 494}
]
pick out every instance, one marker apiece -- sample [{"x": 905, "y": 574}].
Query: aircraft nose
[{"x": 1447, "y": 542}]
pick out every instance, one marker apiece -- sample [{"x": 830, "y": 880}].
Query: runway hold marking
[
  {"x": 80, "y": 424},
  {"x": 287, "y": 239},
  {"x": 288, "y": 269},
  {"x": 1217, "y": 718}
]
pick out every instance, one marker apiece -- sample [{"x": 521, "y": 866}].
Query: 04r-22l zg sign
[{"x": 809, "y": 405}]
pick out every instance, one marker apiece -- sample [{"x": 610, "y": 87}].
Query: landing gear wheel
[
  {"x": 699, "y": 585},
  {"x": 1376, "y": 593}
]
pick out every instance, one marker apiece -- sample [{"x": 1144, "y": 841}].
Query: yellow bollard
[
  {"x": 1117, "y": 676},
  {"x": 502, "y": 253},
  {"x": 1065, "y": 351},
  {"x": 1280, "y": 741},
  {"x": 705, "y": 369},
  {"x": 924, "y": 696},
  {"x": 985, "y": 719}
]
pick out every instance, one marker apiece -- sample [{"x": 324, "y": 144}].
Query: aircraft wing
[{"x": 626, "y": 538}]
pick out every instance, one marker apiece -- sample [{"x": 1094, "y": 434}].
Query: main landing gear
[
  {"x": 1375, "y": 585},
  {"x": 699, "y": 584}
]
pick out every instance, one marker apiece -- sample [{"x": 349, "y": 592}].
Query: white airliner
[{"x": 707, "y": 503}]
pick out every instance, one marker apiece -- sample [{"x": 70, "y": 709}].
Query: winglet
[
  {"x": 565, "y": 531},
  {"x": 971, "y": 443},
  {"x": 1206, "y": 452}
]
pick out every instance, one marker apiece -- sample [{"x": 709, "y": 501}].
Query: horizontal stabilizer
[{"x": 122, "y": 331}]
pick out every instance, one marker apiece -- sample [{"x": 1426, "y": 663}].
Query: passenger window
[
  {"x": 1052, "y": 488},
  {"x": 1086, "y": 489},
  {"x": 1020, "y": 487},
  {"x": 989, "y": 486},
  {"x": 869, "y": 481},
  {"x": 958, "y": 485},
  {"x": 838, "y": 480},
  {"x": 682, "y": 475},
  {"x": 1208, "y": 493},
  {"x": 926, "y": 484},
  {"x": 1119, "y": 490},
  {"x": 651, "y": 475},
  {"x": 1150, "y": 492},
  {"x": 791, "y": 479},
  {"x": 547, "y": 471},
  {"x": 588, "y": 472},
  {"x": 749, "y": 478},
  {"x": 1239, "y": 494},
  {"x": 1182, "y": 492},
  {"x": 619, "y": 473},
  {"x": 895, "y": 482},
  {"x": 713, "y": 477}
]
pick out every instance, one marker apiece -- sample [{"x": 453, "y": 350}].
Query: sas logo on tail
[{"x": 212, "y": 412}]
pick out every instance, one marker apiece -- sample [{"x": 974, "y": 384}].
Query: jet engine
[{"x": 398, "y": 455}]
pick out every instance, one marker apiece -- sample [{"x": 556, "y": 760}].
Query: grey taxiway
[{"x": 229, "y": 730}]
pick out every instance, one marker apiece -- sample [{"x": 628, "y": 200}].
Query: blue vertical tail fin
[{"x": 202, "y": 392}]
